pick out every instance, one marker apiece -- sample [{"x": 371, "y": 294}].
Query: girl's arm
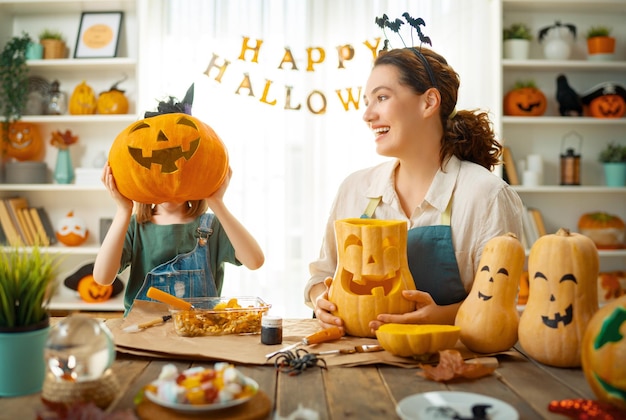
[
  {"x": 107, "y": 262},
  {"x": 247, "y": 250}
]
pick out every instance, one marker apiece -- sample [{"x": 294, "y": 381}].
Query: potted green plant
[
  {"x": 516, "y": 41},
  {"x": 613, "y": 159},
  {"x": 600, "y": 43},
  {"x": 53, "y": 44},
  {"x": 13, "y": 81},
  {"x": 26, "y": 287}
]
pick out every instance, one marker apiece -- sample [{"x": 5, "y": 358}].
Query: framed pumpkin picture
[{"x": 98, "y": 35}]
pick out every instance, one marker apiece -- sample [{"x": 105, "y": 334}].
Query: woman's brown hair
[
  {"x": 144, "y": 212},
  {"x": 467, "y": 135}
]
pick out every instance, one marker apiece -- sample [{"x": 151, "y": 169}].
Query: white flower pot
[{"x": 516, "y": 49}]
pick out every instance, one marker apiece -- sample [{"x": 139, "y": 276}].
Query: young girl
[
  {"x": 439, "y": 181},
  {"x": 177, "y": 247}
]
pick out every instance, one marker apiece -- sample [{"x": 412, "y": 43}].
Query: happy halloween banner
[{"x": 269, "y": 91}]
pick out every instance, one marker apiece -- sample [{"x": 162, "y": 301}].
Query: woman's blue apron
[
  {"x": 186, "y": 275},
  {"x": 431, "y": 257}
]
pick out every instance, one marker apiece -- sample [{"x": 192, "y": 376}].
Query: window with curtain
[{"x": 291, "y": 138}]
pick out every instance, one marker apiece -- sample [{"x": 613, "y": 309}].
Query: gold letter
[
  {"x": 288, "y": 58},
  {"x": 265, "y": 92},
  {"x": 222, "y": 68},
  {"x": 345, "y": 52},
  {"x": 245, "y": 47},
  {"x": 322, "y": 110},
  {"x": 373, "y": 48},
  {"x": 245, "y": 83},
  {"x": 309, "y": 53},
  {"x": 346, "y": 104},
  {"x": 288, "y": 99}
]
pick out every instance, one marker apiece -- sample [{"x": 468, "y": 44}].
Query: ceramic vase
[
  {"x": 64, "y": 171},
  {"x": 615, "y": 174},
  {"x": 22, "y": 365}
]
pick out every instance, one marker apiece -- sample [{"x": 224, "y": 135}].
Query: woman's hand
[
  {"x": 108, "y": 180},
  {"x": 324, "y": 307},
  {"x": 426, "y": 312}
]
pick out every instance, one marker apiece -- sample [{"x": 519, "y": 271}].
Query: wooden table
[{"x": 368, "y": 392}]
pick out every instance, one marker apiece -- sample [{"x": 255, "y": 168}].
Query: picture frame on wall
[{"x": 98, "y": 34}]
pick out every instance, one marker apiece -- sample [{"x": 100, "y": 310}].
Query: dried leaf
[{"x": 451, "y": 365}]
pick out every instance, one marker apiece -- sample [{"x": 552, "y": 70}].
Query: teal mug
[{"x": 34, "y": 51}]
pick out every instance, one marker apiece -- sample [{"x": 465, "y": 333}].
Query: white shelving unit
[
  {"x": 91, "y": 202},
  {"x": 549, "y": 135}
]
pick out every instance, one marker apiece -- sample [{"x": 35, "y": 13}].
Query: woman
[{"x": 440, "y": 182}]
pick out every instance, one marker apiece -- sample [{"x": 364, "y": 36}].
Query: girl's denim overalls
[{"x": 186, "y": 275}]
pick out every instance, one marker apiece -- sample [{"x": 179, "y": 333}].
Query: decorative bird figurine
[{"x": 570, "y": 103}]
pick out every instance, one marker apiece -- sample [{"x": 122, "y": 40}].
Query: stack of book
[{"x": 22, "y": 225}]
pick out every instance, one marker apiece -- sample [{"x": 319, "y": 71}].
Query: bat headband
[{"x": 384, "y": 22}]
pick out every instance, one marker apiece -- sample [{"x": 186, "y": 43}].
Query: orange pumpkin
[
  {"x": 607, "y": 231},
  {"x": 92, "y": 292},
  {"x": 524, "y": 100},
  {"x": 25, "y": 141},
  {"x": 168, "y": 158},
  {"x": 372, "y": 271},
  {"x": 563, "y": 271},
  {"x": 488, "y": 316},
  {"x": 112, "y": 101},
  {"x": 83, "y": 100},
  {"x": 72, "y": 230},
  {"x": 607, "y": 106},
  {"x": 604, "y": 353}
]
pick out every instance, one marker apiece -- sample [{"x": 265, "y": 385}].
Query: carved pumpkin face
[
  {"x": 72, "y": 230},
  {"x": 607, "y": 106},
  {"x": 112, "y": 102},
  {"x": 563, "y": 271},
  {"x": 24, "y": 141},
  {"x": 92, "y": 292},
  {"x": 604, "y": 352},
  {"x": 372, "y": 271},
  {"x": 168, "y": 158},
  {"x": 525, "y": 101}
]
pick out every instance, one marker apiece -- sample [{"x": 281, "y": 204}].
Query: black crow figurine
[{"x": 570, "y": 104}]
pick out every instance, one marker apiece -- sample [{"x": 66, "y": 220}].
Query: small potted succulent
[
  {"x": 53, "y": 44},
  {"x": 516, "y": 40},
  {"x": 613, "y": 159},
  {"x": 600, "y": 43}
]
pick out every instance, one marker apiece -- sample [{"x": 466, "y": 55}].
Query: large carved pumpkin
[
  {"x": 604, "y": 353},
  {"x": 372, "y": 271},
  {"x": 25, "y": 141},
  {"x": 525, "y": 100},
  {"x": 563, "y": 271},
  {"x": 168, "y": 158},
  {"x": 488, "y": 316}
]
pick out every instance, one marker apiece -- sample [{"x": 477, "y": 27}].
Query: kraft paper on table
[{"x": 161, "y": 341}]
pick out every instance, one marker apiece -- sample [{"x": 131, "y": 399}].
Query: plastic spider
[{"x": 296, "y": 362}]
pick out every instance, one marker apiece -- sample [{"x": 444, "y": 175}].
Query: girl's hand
[
  {"x": 218, "y": 195},
  {"x": 426, "y": 312},
  {"x": 108, "y": 180},
  {"x": 324, "y": 307}
]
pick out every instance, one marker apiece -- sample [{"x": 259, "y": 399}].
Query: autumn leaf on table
[{"x": 451, "y": 366}]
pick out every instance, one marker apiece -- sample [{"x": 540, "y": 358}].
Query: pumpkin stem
[
  {"x": 114, "y": 87},
  {"x": 563, "y": 232}
]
